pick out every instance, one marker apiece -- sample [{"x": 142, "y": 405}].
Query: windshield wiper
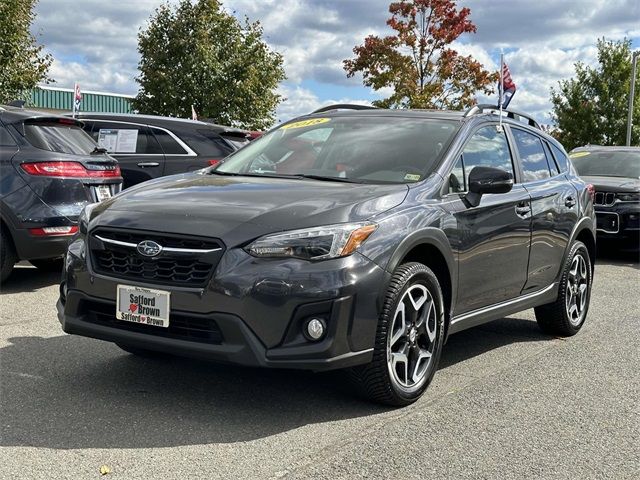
[
  {"x": 98, "y": 151},
  {"x": 258, "y": 175},
  {"x": 327, "y": 178}
]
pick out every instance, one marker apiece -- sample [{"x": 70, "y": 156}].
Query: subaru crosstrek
[{"x": 348, "y": 238}]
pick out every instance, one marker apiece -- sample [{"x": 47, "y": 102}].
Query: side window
[
  {"x": 553, "y": 168},
  {"x": 532, "y": 156},
  {"x": 169, "y": 144},
  {"x": 126, "y": 138},
  {"x": 487, "y": 148},
  {"x": 561, "y": 158},
  {"x": 5, "y": 138}
]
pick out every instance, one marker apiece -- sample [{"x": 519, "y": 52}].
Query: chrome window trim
[{"x": 190, "y": 152}]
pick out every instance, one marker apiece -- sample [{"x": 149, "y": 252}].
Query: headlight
[
  {"x": 85, "y": 215},
  {"x": 628, "y": 197},
  {"x": 318, "y": 243}
]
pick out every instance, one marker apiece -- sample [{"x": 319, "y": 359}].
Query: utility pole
[{"x": 634, "y": 64}]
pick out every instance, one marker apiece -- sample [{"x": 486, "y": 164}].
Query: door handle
[
  {"x": 148, "y": 164},
  {"x": 523, "y": 209},
  {"x": 570, "y": 202}
]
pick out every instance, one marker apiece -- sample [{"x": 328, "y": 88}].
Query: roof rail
[
  {"x": 343, "y": 106},
  {"x": 514, "y": 114}
]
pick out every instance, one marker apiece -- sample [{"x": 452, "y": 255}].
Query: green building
[{"x": 60, "y": 100}]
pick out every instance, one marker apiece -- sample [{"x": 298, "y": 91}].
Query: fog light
[{"x": 315, "y": 329}]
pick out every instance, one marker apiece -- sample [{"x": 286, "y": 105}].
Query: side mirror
[{"x": 487, "y": 180}]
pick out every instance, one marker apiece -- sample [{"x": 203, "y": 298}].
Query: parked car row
[{"x": 52, "y": 166}]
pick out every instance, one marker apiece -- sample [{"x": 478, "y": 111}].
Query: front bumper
[
  {"x": 253, "y": 311},
  {"x": 621, "y": 220}
]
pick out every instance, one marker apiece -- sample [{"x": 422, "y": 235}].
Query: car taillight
[
  {"x": 70, "y": 169},
  {"x": 592, "y": 192},
  {"x": 214, "y": 161},
  {"x": 53, "y": 231}
]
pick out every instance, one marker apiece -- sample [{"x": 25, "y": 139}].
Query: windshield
[
  {"x": 59, "y": 137},
  {"x": 359, "y": 149},
  {"x": 614, "y": 163}
]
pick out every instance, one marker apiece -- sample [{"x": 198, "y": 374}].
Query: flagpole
[{"x": 501, "y": 87}]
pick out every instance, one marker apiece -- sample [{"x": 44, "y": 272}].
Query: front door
[{"x": 493, "y": 239}]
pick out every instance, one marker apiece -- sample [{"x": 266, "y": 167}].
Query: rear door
[
  {"x": 493, "y": 238},
  {"x": 134, "y": 146},
  {"x": 553, "y": 208}
]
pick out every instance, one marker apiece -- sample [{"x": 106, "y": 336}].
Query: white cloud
[
  {"x": 94, "y": 42},
  {"x": 300, "y": 101}
]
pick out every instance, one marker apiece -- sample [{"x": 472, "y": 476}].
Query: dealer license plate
[
  {"x": 143, "y": 305},
  {"x": 102, "y": 192}
]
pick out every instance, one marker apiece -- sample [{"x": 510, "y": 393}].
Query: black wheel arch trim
[
  {"x": 433, "y": 237},
  {"x": 585, "y": 223}
]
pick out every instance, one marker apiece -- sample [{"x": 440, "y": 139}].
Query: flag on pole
[
  {"x": 77, "y": 98},
  {"x": 506, "y": 87},
  {"x": 194, "y": 115}
]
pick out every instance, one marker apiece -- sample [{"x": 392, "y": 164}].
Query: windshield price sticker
[
  {"x": 579, "y": 154},
  {"x": 305, "y": 123}
]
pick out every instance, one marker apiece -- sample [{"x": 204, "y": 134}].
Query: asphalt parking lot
[{"x": 507, "y": 402}]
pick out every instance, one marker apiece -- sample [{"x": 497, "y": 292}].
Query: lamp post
[{"x": 634, "y": 64}]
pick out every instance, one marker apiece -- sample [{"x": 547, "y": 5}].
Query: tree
[
  {"x": 198, "y": 54},
  {"x": 22, "y": 62},
  {"x": 592, "y": 107},
  {"x": 418, "y": 62}
]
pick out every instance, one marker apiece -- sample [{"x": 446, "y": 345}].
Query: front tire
[
  {"x": 408, "y": 340},
  {"x": 567, "y": 314}
]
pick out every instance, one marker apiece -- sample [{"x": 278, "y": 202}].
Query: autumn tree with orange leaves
[{"x": 418, "y": 62}]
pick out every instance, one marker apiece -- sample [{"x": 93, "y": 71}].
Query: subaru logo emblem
[{"x": 149, "y": 248}]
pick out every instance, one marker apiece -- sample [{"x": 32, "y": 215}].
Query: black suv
[
  {"x": 49, "y": 170},
  {"x": 352, "y": 239},
  {"x": 614, "y": 173},
  {"x": 148, "y": 146}
]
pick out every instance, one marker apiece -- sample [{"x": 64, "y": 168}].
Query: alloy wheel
[
  {"x": 577, "y": 290},
  {"x": 411, "y": 341}
]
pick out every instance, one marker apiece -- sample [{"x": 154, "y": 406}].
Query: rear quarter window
[
  {"x": 561, "y": 158},
  {"x": 206, "y": 141}
]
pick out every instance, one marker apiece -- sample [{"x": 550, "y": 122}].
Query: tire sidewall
[
  {"x": 419, "y": 274},
  {"x": 578, "y": 248}
]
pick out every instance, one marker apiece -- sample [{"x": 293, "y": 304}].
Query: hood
[
  {"x": 613, "y": 184},
  {"x": 237, "y": 209}
]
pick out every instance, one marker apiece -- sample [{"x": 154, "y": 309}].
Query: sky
[{"x": 94, "y": 43}]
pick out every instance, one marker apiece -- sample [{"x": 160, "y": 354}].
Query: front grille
[
  {"x": 181, "y": 327},
  {"x": 605, "y": 198},
  {"x": 187, "y": 264}
]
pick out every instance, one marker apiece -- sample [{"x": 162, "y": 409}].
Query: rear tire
[
  {"x": 48, "y": 264},
  {"x": 567, "y": 314},
  {"x": 142, "y": 352},
  {"x": 8, "y": 257},
  {"x": 408, "y": 340}
]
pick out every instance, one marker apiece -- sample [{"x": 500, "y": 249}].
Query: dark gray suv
[{"x": 349, "y": 238}]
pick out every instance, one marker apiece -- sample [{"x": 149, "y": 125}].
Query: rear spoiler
[{"x": 47, "y": 119}]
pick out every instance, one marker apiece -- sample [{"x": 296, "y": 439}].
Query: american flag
[{"x": 507, "y": 89}]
